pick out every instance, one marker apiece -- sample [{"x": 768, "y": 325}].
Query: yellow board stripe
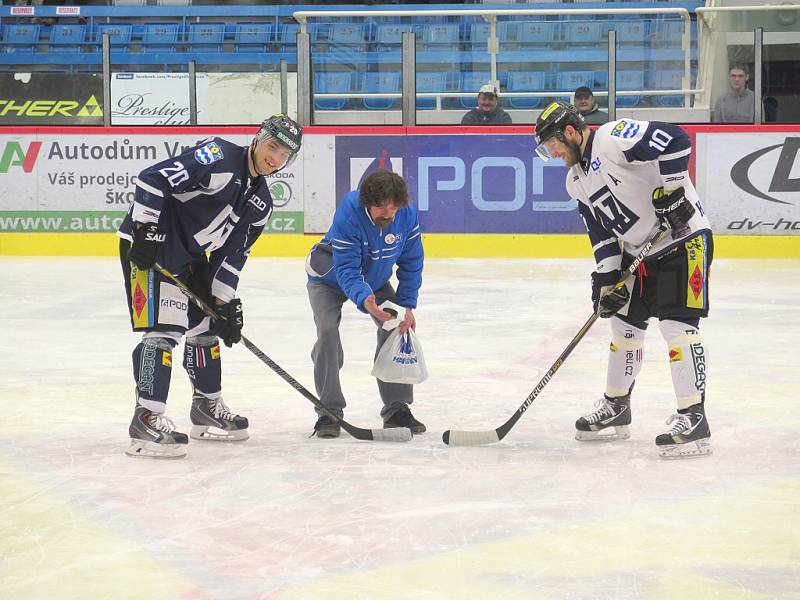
[{"x": 437, "y": 245}]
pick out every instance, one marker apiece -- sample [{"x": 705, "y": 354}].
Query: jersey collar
[{"x": 587, "y": 153}]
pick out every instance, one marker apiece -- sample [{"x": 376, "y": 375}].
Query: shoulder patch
[
  {"x": 625, "y": 129},
  {"x": 208, "y": 154}
]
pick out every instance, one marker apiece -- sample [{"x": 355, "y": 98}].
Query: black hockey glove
[
  {"x": 608, "y": 302},
  {"x": 229, "y": 326},
  {"x": 147, "y": 242},
  {"x": 673, "y": 209}
]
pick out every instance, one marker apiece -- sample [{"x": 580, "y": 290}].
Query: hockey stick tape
[{"x": 398, "y": 311}]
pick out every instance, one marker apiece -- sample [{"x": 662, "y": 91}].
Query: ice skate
[
  {"x": 153, "y": 435},
  {"x": 611, "y": 421},
  {"x": 327, "y": 427},
  {"x": 404, "y": 418},
  {"x": 688, "y": 436},
  {"x": 213, "y": 420}
]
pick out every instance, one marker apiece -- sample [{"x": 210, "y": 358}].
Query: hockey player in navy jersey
[
  {"x": 628, "y": 176},
  {"x": 197, "y": 215},
  {"x": 374, "y": 229}
]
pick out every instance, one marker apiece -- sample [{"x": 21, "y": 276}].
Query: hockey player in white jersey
[
  {"x": 197, "y": 215},
  {"x": 628, "y": 176}
]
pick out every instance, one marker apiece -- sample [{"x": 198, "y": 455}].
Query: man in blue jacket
[{"x": 374, "y": 229}]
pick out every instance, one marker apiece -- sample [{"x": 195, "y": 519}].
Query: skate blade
[
  {"x": 694, "y": 449},
  {"x": 145, "y": 449},
  {"x": 620, "y": 432},
  {"x": 209, "y": 433}
]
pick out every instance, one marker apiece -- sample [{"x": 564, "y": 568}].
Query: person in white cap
[{"x": 488, "y": 111}]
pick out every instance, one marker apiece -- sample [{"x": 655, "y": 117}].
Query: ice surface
[{"x": 282, "y": 515}]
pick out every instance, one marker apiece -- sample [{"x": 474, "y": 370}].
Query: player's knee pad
[
  {"x": 687, "y": 361},
  {"x": 152, "y": 369},
  {"x": 201, "y": 359},
  {"x": 625, "y": 357}
]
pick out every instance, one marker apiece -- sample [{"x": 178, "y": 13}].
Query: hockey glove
[
  {"x": 147, "y": 242},
  {"x": 673, "y": 209},
  {"x": 607, "y": 301},
  {"x": 229, "y": 325}
]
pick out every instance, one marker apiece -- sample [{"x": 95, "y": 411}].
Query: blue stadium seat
[
  {"x": 252, "y": 37},
  {"x": 632, "y": 32},
  {"x": 582, "y": 33},
  {"x": 347, "y": 33},
  {"x": 479, "y": 34},
  {"x": 391, "y": 34},
  {"x": 286, "y": 36},
  {"x": 569, "y": 81},
  {"x": 629, "y": 80},
  {"x": 431, "y": 81},
  {"x": 530, "y": 33},
  {"x": 472, "y": 82},
  {"x": 667, "y": 79},
  {"x": 331, "y": 82},
  {"x": 119, "y": 35},
  {"x": 382, "y": 82},
  {"x": 525, "y": 81},
  {"x": 437, "y": 34},
  {"x": 67, "y": 38},
  {"x": 20, "y": 37},
  {"x": 206, "y": 37},
  {"x": 160, "y": 37},
  {"x": 669, "y": 32}
]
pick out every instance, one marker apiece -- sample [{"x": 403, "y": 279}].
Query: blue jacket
[{"x": 364, "y": 255}]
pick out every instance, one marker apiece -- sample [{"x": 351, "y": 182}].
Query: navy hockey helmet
[
  {"x": 283, "y": 130},
  {"x": 552, "y": 122}
]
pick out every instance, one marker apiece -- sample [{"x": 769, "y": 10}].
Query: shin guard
[
  {"x": 201, "y": 359},
  {"x": 687, "y": 361},
  {"x": 625, "y": 357},
  {"x": 152, "y": 371}
]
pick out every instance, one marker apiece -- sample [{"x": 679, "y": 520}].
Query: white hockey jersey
[{"x": 623, "y": 163}]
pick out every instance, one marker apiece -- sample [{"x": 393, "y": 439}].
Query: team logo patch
[
  {"x": 389, "y": 239},
  {"x": 215, "y": 352},
  {"x": 166, "y": 359},
  {"x": 142, "y": 297},
  {"x": 625, "y": 129},
  {"x": 613, "y": 347},
  {"x": 208, "y": 154},
  {"x": 695, "y": 256},
  {"x": 675, "y": 354}
]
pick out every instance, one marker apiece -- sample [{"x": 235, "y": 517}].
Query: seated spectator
[
  {"x": 589, "y": 109},
  {"x": 488, "y": 111},
  {"x": 738, "y": 105}
]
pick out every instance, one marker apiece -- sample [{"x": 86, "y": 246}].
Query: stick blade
[
  {"x": 394, "y": 434},
  {"x": 470, "y": 438}
]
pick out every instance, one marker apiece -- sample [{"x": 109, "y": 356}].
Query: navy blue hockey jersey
[{"x": 205, "y": 201}]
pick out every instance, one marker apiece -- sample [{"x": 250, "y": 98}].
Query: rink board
[{"x": 480, "y": 192}]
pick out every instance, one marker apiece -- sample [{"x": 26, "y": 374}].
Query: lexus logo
[{"x": 782, "y": 181}]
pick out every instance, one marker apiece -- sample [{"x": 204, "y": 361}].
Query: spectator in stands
[
  {"x": 738, "y": 105},
  {"x": 488, "y": 111},
  {"x": 588, "y": 107}
]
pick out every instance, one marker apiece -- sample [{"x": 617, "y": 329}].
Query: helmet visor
[{"x": 546, "y": 148}]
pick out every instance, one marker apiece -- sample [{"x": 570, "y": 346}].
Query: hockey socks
[
  {"x": 625, "y": 357},
  {"x": 201, "y": 359},
  {"x": 152, "y": 371}
]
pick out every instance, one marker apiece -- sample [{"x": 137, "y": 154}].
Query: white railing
[{"x": 492, "y": 43}]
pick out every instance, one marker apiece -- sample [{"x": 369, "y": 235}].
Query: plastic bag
[{"x": 400, "y": 359}]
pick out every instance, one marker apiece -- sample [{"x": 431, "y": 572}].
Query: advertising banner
[
  {"x": 51, "y": 99},
  {"x": 85, "y": 183},
  {"x": 467, "y": 183},
  {"x": 750, "y": 182},
  {"x": 163, "y": 98}
]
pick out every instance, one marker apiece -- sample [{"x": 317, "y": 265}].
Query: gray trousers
[{"x": 328, "y": 355}]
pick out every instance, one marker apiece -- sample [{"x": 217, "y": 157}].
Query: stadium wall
[{"x": 481, "y": 191}]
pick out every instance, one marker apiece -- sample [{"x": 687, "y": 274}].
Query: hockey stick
[
  {"x": 395, "y": 434},
  {"x": 475, "y": 438}
]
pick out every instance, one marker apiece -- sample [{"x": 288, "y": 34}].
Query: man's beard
[
  {"x": 574, "y": 156},
  {"x": 384, "y": 221}
]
